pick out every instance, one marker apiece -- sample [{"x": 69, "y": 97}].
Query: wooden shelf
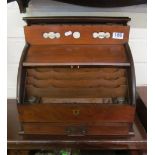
[{"x": 105, "y": 55}]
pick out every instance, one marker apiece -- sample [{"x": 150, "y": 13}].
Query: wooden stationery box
[{"x": 76, "y": 78}]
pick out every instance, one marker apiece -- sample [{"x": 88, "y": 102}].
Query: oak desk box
[{"x": 76, "y": 78}]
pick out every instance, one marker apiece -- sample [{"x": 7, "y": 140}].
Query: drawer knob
[
  {"x": 45, "y": 35},
  {"x": 76, "y": 35},
  {"x": 68, "y": 33},
  {"x": 95, "y": 35},
  {"x": 51, "y": 35},
  {"x": 57, "y": 35},
  {"x": 107, "y": 35},
  {"x": 101, "y": 35}
]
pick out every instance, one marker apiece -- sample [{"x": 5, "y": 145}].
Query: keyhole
[{"x": 76, "y": 112}]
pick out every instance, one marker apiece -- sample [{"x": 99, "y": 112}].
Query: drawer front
[
  {"x": 76, "y": 34},
  {"x": 76, "y": 113},
  {"x": 77, "y": 130}
]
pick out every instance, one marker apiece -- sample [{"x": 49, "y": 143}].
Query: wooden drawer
[
  {"x": 34, "y": 34},
  {"x": 89, "y": 129},
  {"x": 76, "y": 113}
]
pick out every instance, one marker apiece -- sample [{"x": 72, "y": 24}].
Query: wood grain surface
[
  {"x": 34, "y": 34},
  {"x": 81, "y": 54}
]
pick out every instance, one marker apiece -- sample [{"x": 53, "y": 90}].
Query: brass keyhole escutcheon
[{"x": 76, "y": 112}]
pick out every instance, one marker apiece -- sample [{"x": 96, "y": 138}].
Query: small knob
[
  {"x": 76, "y": 35},
  {"x": 45, "y": 35},
  {"x": 68, "y": 33},
  {"x": 95, "y": 35},
  {"x": 101, "y": 35},
  {"x": 107, "y": 35},
  {"x": 57, "y": 35},
  {"x": 51, "y": 35}
]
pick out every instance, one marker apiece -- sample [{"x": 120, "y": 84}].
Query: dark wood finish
[
  {"x": 78, "y": 130},
  {"x": 54, "y": 119},
  {"x": 141, "y": 111},
  {"x": 21, "y": 75},
  {"x": 64, "y": 113},
  {"x": 141, "y": 107},
  {"x": 105, "y": 3},
  {"x": 81, "y": 152},
  {"x": 132, "y": 79},
  {"x": 134, "y": 153},
  {"x": 76, "y": 20},
  {"x": 34, "y": 34},
  {"x": 17, "y": 142},
  {"x": 93, "y": 59},
  {"x": 18, "y": 152},
  {"x": 142, "y": 93},
  {"x": 18, "y": 145}
]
